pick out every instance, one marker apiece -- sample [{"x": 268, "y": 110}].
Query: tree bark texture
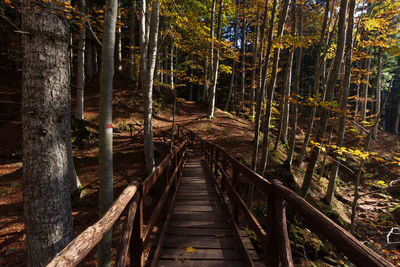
[
  {"x": 148, "y": 86},
  {"x": 105, "y": 126},
  {"x": 80, "y": 73},
  {"x": 46, "y": 123}
]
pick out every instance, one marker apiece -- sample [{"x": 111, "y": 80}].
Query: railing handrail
[
  {"x": 354, "y": 249},
  {"x": 81, "y": 245}
]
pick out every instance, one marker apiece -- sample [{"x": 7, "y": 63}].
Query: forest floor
[{"x": 376, "y": 211}]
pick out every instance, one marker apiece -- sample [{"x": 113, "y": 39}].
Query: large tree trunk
[
  {"x": 80, "y": 73},
  {"x": 329, "y": 96},
  {"x": 45, "y": 126},
  {"x": 345, "y": 85},
  {"x": 105, "y": 126},
  {"x": 214, "y": 78},
  {"x": 148, "y": 87},
  {"x": 263, "y": 77},
  {"x": 132, "y": 29},
  {"x": 271, "y": 87}
]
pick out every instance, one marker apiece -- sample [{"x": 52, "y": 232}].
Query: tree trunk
[
  {"x": 144, "y": 45},
  {"x": 243, "y": 63},
  {"x": 263, "y": 77},
  {"x": 148, "y": 86},
  {"x": 80, "y": 73},
  {"x": 105, "y": 126},
  {"x": 329, "y": 96},
  {"x": 254, "y": 67},
  {"x": 132, "y": 29},
  {"x": 89, "y": 54},
  {"x": 397, "y": 118},
  {"x": 271, "y": 87},
  {"x": 233, "y": 65},
  {"x": 378, "y": 89},
  {"x": 46, "y": 122},
  {"x": 119, "y": 43},
  {"x": 316, "y": 85},
  {"x": 364, "y": 89},
  {"x": 211, "y": 56},
  {"x": 343, "y": 100},
  {"x": 214, "y": 78},
  {"x": 295, "y": 87}
]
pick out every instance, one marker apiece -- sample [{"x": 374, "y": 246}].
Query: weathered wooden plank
[
  {"x": 173, "y": 241},
  {"x": 195, "y": 208},
  {"x": 205, "y": 254},
  {"x": 200, "y": 215},
  {"x": 200, "y": 224},
  {"x": 199, "y": 231},
  {"x": 200, "y": 263},
  {"x": 199, "y": 202},
  {"x": 188, "y": 197}
]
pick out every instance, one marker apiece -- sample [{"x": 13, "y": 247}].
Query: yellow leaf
[{"x": 190, "y": 249}]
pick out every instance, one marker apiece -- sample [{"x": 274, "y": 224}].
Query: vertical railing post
[
  {"x": 279, "y": 243},
  {"x": 224, "y": 162},
  {"x": 216, "y": 163},
  {"x": 136, "y": 245},
  {"x": 235, "y": 180},
  {"x": 211, "y": 157}
]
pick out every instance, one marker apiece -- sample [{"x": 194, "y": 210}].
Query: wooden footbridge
[{"x": 199, "y": 217}]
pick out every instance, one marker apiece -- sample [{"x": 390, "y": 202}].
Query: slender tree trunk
[
  {"x": 211, "y": 106},
  {"x": 285, "y": 98},
  {"x": 329, "y": 96},
  {"x": 105, "y": 126},
  {"x": 80, "y": 73},
  {"x": 148, "y": 86},
  {"x": 205, "y": 87},
  {"x": 295, "y": 86},
  {"x": 254, "y": 66},
  {"x": 232, "y": 83},
  {"x": 46, "y": 122},
  {"x": 378, "y": 89},
  {"x": 243, "y": 63},
  {"x": 144, "y": 45},
  {"x": 132, "y": 29},
  {"x": 171, "y": 69},
  {"x": 89, "y": 53},
  {"x": 345, "y": 85},
  {"x": 364, "y": 89},
  {"x": 271, "y": 87},
  {"x": 211, "y": 55},
  {"x": 264, "y": 70},
  {"x": 191, "y": 86},
  {"x": 316, "y": 85},
  {"x": 119, "y": 44},
  {"x": 397, "y": 118}
]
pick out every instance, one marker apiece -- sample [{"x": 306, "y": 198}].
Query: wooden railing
[
  {"x": 274, "y": 239},
  {"x": 134, "y": 236}
]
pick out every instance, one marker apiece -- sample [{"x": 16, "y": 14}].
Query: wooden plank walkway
[{"x": 199, "y": 220}]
